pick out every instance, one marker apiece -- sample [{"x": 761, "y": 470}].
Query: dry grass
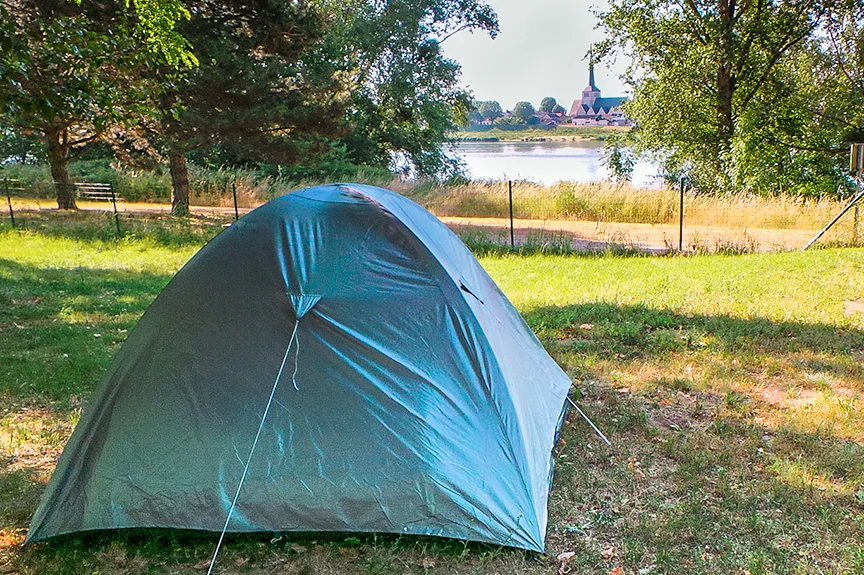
[{"x": 605, "y": 202}]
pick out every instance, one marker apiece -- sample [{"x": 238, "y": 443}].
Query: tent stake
[{"x": 591, "y": 423}]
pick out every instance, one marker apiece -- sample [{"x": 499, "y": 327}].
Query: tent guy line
[
  {"x": 257, "y": 437},
  {"x": 591, "y": 423}
]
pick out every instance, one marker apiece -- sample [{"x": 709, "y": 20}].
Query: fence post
[
  {"x": 681, "y": 219},
  {"x": 234, "y": 193},
  {"x": 855, "y": 227},
  {"x": 9, "y": 200},
  {"x": 512, "y": 234},
  {"x": 116, "y": 215}
]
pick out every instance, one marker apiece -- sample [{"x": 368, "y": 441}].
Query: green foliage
[
  {"x": 68, "y": 73},
  {"x": 20, "y": 147},
  {"x": 405, "y": 94},
  {"x": 558, "y": 109},
  {"x": 490, "y": 109},
  {"x": 475, "y": 117},
  {"x": 707, "y": 76},
  {"x": 75, "y": 69},
  {"x": 619, "y": 158},
  {"x": 548, "y": 104},
  {"x": 524, "y": 111},
  {"x": 511, "y": 121},
  {"x": 158, "y": 20},
  {"x": 797, "y": 139},
  {"x": 234, "y": 108}
]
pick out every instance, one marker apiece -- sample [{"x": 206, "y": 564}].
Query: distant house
[
  {"x": 547, "y": 119},
  {"x": 594, "y": 110}
]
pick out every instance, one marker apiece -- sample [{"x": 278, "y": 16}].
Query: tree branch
[
  {"x": 831, "y": 151},
  {"x": 72, "y": 154},
  {"x": 773, "y": 62},
  {"x": 459, "y": 29},
  {"x": 699, "y": 18},
  {"x": 84, "y": 140},
  {"x": 745, "y": 50},
  {"x": 840, "y": 61}
]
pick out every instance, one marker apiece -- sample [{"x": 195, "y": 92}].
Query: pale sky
[{"x": 539, "y": 52}]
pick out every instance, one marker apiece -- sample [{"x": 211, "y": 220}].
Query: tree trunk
[
  {"x": 58, "y": 159},
  {"x": 179, "y": 184},
  {"x": 726, "y": 85},
  {"x": 725, "y": 123}
]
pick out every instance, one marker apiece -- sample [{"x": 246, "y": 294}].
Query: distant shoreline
[{"x": 535, "y": 134}]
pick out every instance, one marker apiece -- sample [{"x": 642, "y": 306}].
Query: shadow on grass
[
  {"x": 195, "y": 548},
  {"x": 640, "y": 330},
  {"x": 707, "y": 475}
]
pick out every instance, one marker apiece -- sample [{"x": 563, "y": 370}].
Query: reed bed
[{"x": 605, "y": 202}]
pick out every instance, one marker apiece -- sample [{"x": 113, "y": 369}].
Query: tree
[
  {"x": 405, "y": 95},
  {"x": 799, "y": 141},
  {"x": 475, "y": 117},
  {"x": 490, "y": 109},
  {"x": 559, "y": 109},
  {"x": 845, "y": 43},
  {"x": 507, "y": 121},
  {"x": 265, "y": 90},
  {"x": 619, "y": 158},
  {"x": 548, "y": 104},
  {"x": 700, "y": 66},
  {"x": 524, "y": 111},
  {"x": 67, "y": 73}
]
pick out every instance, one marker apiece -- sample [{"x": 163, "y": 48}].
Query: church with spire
[{"x": 594, "y": 110}]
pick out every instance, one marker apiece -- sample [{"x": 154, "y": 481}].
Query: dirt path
[
  {"x": 576, "y": 234},
  {"x": 652, "y": 237}
]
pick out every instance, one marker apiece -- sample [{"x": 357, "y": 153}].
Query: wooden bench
[
  {"x": 12, "y": 186},
  {"x": 96, "y": 192}
]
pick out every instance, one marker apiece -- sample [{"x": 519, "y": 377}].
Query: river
[{"x": 545, "y": 162}]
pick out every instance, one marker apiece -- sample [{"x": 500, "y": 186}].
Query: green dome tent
[{"x": 392, "y": 386}]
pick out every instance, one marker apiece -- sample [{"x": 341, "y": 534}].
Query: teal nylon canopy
[{"x": 422, "y": 403}]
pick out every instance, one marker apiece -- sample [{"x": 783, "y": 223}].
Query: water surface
[{"x": 544, "y": 162}]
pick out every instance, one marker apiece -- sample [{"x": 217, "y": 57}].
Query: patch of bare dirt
[{"x": 853, "y": 307}]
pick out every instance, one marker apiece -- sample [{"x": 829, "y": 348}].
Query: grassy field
[
  {"x": 730, "y": 386},
  {"x": 520, "y": 133}
]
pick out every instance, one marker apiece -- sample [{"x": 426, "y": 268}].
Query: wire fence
[
  {"x": 571, "y": 216},
  {"x": 601, "y": 216}
]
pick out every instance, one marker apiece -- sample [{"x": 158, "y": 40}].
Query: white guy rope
[
  {"x": 296, "y": 361},
  {"x": 254, "y": 444},
  {"x": 591, "y": 423}
]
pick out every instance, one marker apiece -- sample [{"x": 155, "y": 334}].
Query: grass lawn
[{"x": 730, "y": 386}]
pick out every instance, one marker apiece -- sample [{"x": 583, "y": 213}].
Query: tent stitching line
[{"x": 255, "y": 443}]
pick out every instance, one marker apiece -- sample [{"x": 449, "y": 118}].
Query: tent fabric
[{"x": 423, "y": 402}]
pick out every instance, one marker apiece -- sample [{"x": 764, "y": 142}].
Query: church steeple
[{"x": 591, "y": 92}]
